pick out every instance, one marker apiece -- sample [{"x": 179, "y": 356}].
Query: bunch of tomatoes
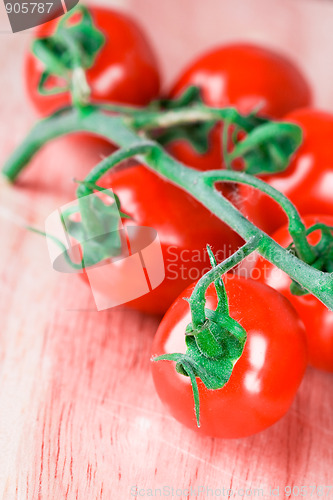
[{"x": 284, "y": 331}]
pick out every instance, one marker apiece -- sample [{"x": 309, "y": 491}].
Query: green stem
[
  {"x": 150, "y": 120},
  {"x": 111, "y": 161},
  {"x": 118, "y": 108},
  {"x": 80, "y": 90},
  {"x": 198, "y": 299},
  {"x": 223, "y": 303},
  {"x": 316, "y": 282},
  {"x": 296, "y": 227},
  {"x": 89, "y": 218},
  {"x": 225, "y": 139},
  {"x": 322, "y": 227},
  {"x": 67, "y": 121}
]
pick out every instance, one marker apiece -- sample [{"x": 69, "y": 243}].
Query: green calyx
[
  {"x": 211, "y": 353},
  {"x": 265, "y": 147},
  {"x": 214, "y": 372},
  {"x": 98, "y": 231},
  {"x": 214, "y": 340},
  {"x": 67, "y": 53},
  {"x": 197, "y": 135},
  {"x": 322, "y": 254}
]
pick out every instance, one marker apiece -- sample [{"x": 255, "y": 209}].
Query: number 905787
[{"x": 29, "y": 8}]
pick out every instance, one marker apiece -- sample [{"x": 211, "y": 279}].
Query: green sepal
[
  {"x": 60, "y": 244},
  {"x": 206, "y": 339},
  {"x": 214, "y": 373},
  {"x": 190, "y": 96},
  {"x": 71, "y": 46},
  {"x": 297, "y": 290},
  {"x": 101, "y": 240},
  {"x": 196, "y": 134},
  {"x": 323, "y": 251},
  {"x": 268, "y": 148},
  {"x": 43, "y": 90},
  {"x": 92, "y": 186}
]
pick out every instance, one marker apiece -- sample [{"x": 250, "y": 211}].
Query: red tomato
[
  {"x": 125, "y": 70},
  {"x": 318, "y": 320},
  {"x": 183, "y": 225},
  {"x": 307, "y": 182},
  {"x": 265, "y": 379},
  {"x": 247, "y": 76},
  {"x": 244, "y": 76}
]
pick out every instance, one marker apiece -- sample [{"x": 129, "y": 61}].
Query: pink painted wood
[{"x": 79, "y": 417}]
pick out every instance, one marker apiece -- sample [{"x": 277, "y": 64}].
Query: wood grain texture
[{"x": 79, "y": 417}]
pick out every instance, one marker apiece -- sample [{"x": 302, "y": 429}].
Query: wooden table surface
[{"x": 79, "y": 417}]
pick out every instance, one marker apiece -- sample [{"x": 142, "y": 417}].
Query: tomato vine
[
  {"x": 214, "y": 340},
  {"x": 120, "y": 130}
]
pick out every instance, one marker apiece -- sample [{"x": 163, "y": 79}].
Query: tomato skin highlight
[
  {"x": 183, "y": 225},
  {"x": 307, "y": 182},
  {"x": 245, "y": 76},
  {"x": 125, "y": 70},
  {"x": 265, "y": 378},
  {"x": 318, "y": 320}
]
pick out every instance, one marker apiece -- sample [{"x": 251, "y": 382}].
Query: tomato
[
  {"x": 183, "y": 225},
  {"x": 307, "y": 182},
  {"x": 264, "y": 380},
  {"x": 318, "y": 320},
  {"x": 245, "y": 76},
  {"x": 125, "y": 70}
]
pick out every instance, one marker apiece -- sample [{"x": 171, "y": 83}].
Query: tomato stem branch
[
  {"x": 198, "y": 300},
  {"x": 296, "y": 227},
  {"x": 118, "y": 130},
  {"x": 223, "y": 304},
  {"x": 111, "y": 161}
]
